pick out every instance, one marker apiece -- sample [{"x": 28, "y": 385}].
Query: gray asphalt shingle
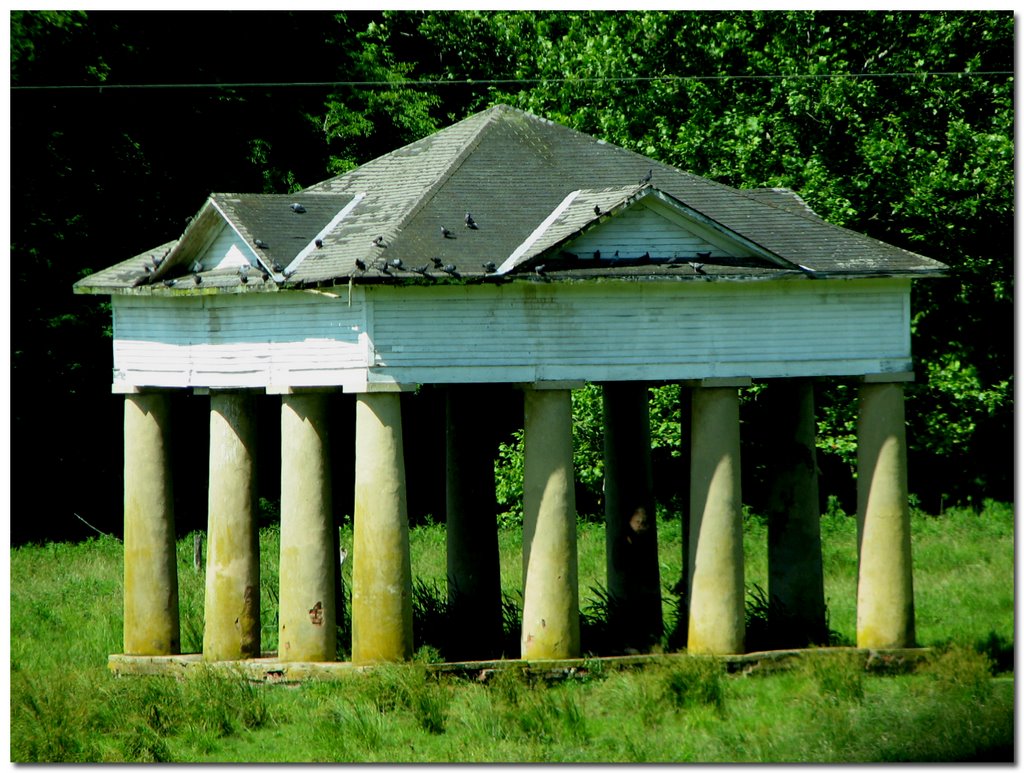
[{"x": 511, "y": 170}]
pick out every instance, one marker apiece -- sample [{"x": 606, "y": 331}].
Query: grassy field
[{"x": 65, "y": 706}]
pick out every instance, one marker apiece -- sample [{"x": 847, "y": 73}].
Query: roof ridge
[{"x": 428, "y": 192}]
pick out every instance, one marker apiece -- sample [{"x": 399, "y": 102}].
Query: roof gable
[{"x": 532, "y": 187}]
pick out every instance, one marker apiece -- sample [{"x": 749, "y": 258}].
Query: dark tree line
[{"x": 917, "y": 149}]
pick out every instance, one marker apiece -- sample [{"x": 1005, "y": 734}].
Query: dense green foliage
[
  {"x": 896, "y": 124},
  {"x": 66, "y": 617}
]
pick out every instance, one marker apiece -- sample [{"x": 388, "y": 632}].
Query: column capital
[
  {"x": 539, "y": 386},
  {"x": 887, "y": 378}
]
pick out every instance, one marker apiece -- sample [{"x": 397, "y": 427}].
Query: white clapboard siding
[
  {"x": 516, "y": 332},
  {"x": 226, "y": 250},
  {"x": 247, "y": 340},
  {"x": 650, "y": 226},
  {"x": 666, "y": 330}
]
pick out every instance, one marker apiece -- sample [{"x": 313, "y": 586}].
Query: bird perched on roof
[
  {"x": 437, "y": 262},
  {"x": 539, "y": 271},
  {"x": 157, "y": 261},
  {"x": 422, "y": 270},
  {"x": 298, "y": 208},
  {"x": 450, "y": 269},
  {"x": 278, "y": 268},
  {"x": 597, "y": 210},
  {"x": 197, "y": 279},
  {"x": 319, "y": 243},
  {"x": 470, "y": 222},
  {"x": 170, "y": 282},
  {"x": 445, "y": 233},
  {"x": 360, "y": 265},
  {"x": 597, "y": 254},
  {"x": 397, "y": 263},
  {"x": 703, "y": 255},
  {"x": 489, "y": 267},
  {"x": 261, "y": 244},
  {"x": 243, "y": 273},
  {"x": 647, "y": 177},
  {"x": 698, "y": 268},
  {"x": 264, "y": 275},
  {"x": 645, "y": 258},
  {"x": 378, "y": 241},
  {"x": 146, "y": 267},
  {"x": 244, "y": 278}
]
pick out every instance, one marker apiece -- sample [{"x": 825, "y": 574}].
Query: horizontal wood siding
[
  {"x": 618, "y": 331},
  {"x": 227, "y": 250},
  {"x": 252, "y": 340},
  {"x": 516, "y": 332},
  {"x": 651, "y": 227}
]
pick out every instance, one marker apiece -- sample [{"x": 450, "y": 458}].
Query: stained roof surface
[{"x": 530, "y": 186}]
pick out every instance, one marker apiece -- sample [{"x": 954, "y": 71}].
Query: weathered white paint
[
  {"x": 284, "y": 339},
  {"x": 517, "y": 332},
  {"x": 652, "y": 226},
  {"x": 226, "y": 248}
]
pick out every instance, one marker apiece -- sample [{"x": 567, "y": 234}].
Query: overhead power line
[{"x": 509, "y": 81}]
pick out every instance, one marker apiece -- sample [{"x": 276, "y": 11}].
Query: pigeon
[
  {"x": 616, "y": 253},
  {"x": 261, "y": 244},
  {"x": 243, "y": 273},
  {"x": 445, "y": 233},
  {"x": 244, "y": 278},
  {"x": 698, "y": 268},
  {"x": 597, "y": 210},
  {"x": 489, "y": 267},
  {"x": 157, "y": 261},
  {"x": 197, "y": 267},
  {"x": 265, "y": 275},
  {"x": 645, "y": 258},
  {"x": 647, "y": 177},
  {"x": 379, "y": 241},
  {"x": 437, "y": 262},
  {"x": 360, "y": 265},
  {"x": 450, "y": 269},
  {"x": 146, "y": 268},
  {"x": 422, "y": 270},
  {"x": 197, "y": 279},
  {"x": 703, "y": 255},
  {"x": 278, "y": 268},
  {"x": 397, "y": 263},
  {"x": 170, "y": 282},
  {"x": 470, "y": 222},
  {"x": 298, "y": 208},
  {"x": 597, "y": 254},
  {"x": 319, "y": 243},
  {"x": 539, "y": 271}
]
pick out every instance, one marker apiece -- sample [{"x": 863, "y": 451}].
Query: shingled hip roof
[{"x": 490, "y": 197}]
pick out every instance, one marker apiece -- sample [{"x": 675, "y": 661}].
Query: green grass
[{"x": 66, "y": 618}]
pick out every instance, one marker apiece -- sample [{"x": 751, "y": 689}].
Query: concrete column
[
  {"x": 151, "y": 617},
  {"x": 795, "y": 582},
  {"x": 232, "y": 616},
  {"x": 474, "y": 574},
  {"x": 381, "y": 572},
  {"x": 631, "y": 537},
  {"x": 551, "y": 624},
  {"x": 306, "y": 615},
  {"x": 716, "y": 525},
  {"x": 885, "y": 587}
]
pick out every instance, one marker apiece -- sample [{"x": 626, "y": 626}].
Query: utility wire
[{"x": 508, "y": 81}]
